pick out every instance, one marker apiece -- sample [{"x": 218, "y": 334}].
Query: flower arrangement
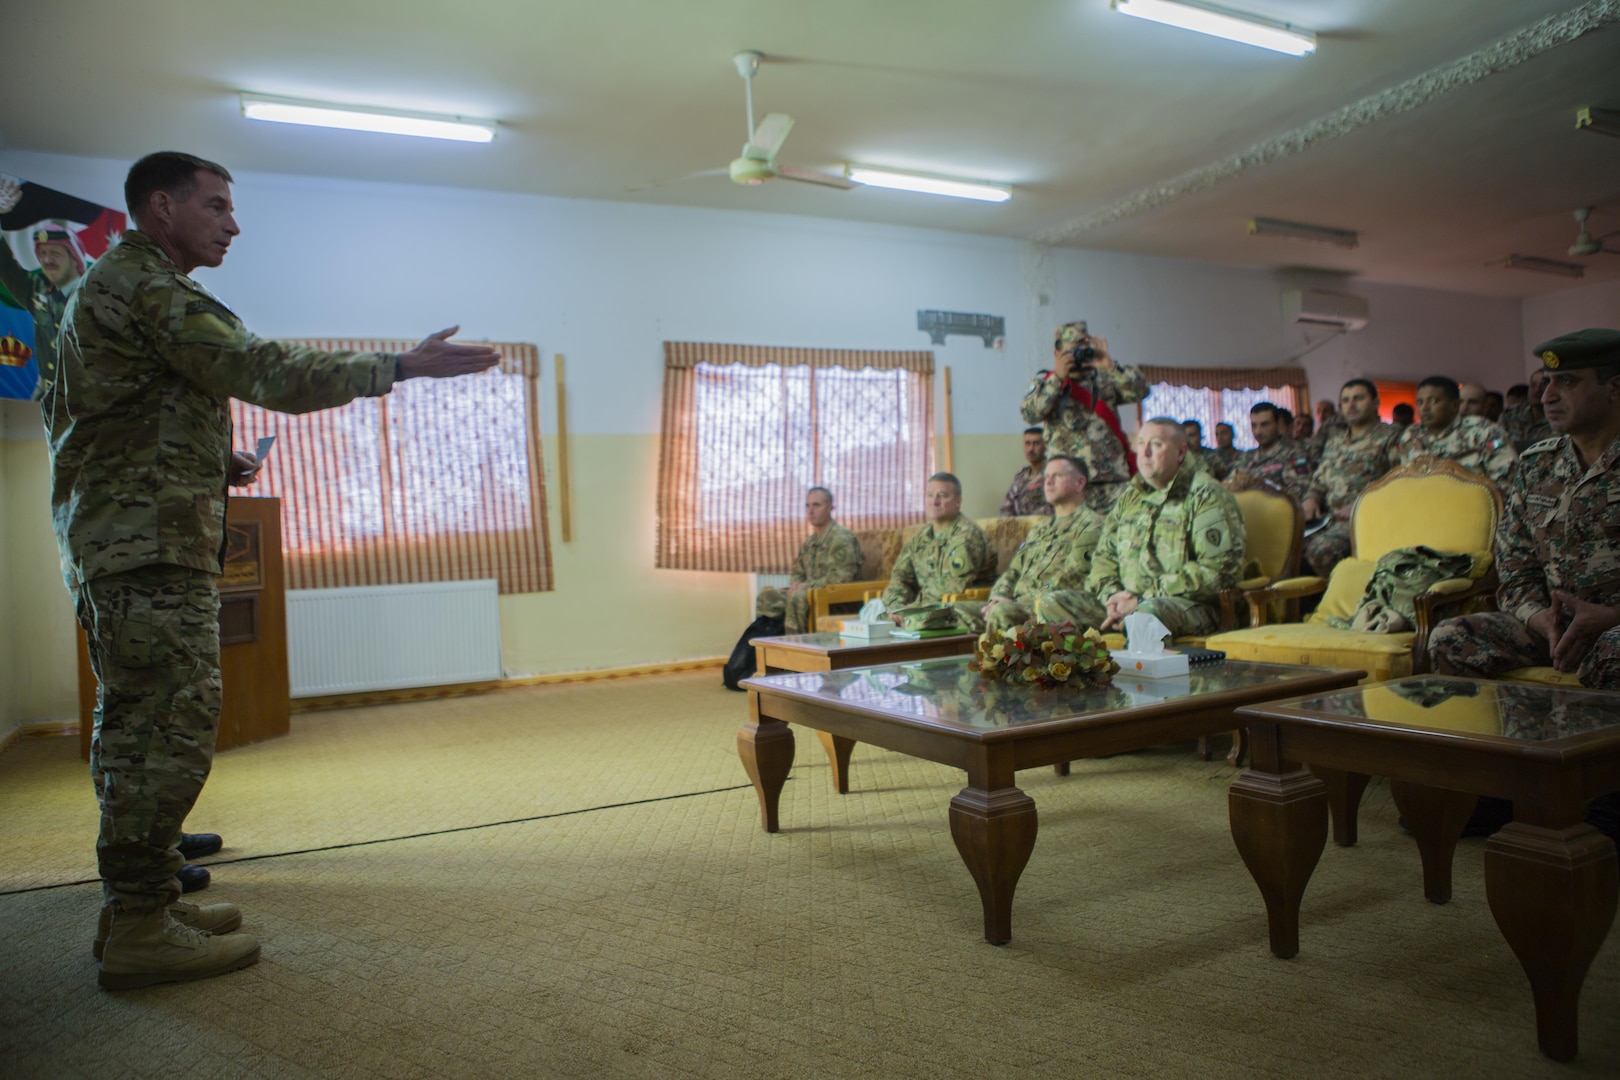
[{"x": 1038, "y": 654}]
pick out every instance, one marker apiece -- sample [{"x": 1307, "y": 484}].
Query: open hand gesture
[{"x": 438, "y": 358}]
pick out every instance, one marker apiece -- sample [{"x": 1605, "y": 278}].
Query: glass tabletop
[
  {"x": 947, "y": 690},
  {"x": 1511, "y": 710},
  {"x": 829, "y": 640}
]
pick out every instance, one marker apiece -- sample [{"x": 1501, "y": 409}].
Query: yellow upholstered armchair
[
  {"x": 881, "y": 547},
  {"x": 1274, "y": 530},
  {"x": 1431, "y": 503}
]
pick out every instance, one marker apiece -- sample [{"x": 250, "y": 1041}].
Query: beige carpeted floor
[{"x": 641, "y": 924}]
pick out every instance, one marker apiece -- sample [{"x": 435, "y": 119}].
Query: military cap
[
  {"x": 1592, "y": 348},
  {"x": 1069, "y": 334},
  {"x": 927, "y": 617}
]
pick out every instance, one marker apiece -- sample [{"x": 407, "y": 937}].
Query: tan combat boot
[
  {"x": 145, "y": 948},
  {"x": 219, "y": 918}
]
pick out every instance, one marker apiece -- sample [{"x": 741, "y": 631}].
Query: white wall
[
  {"x": 1563, "y": 312},
  {"x": 606, "y": 283}
]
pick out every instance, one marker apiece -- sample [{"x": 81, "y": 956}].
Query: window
[
  {"x": 439, "y": 481},
  {"x": 747, "y": 430},
  {"x": 1213, "y": 395}
]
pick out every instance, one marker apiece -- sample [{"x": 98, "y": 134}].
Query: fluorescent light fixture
[
  {"x": 1222, "y": 23},
  {"x": 1311, "y": 234},
  {"x": 361, "y": 118},
  {"x": 1601, "y": 121},
  {"x": 1544, "y": 266},
  {"x": 928, "y": 185}
]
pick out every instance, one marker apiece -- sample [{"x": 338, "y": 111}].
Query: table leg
[
  {"x": 838, "y": 750},
  {"x": 1279, "y": 823},
  {"x": 1061, "y": 769},
  {"x": 1240, "y": 747},
  {"x": 766, "y": 748},
  {"x": 1436, "y": 817},
  {"x": 1553, "y": 894},
  {"x": 995, "y": 833},
  {"x": 1344, "y": 801}
]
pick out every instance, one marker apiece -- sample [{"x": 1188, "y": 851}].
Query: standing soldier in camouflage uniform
[
  {"x": 1281, "y": 460},
  {"x": 44, "y": 291},
  {"x": 1358, "y": 451},
  {"x": 1526, "y": 423},
  {"x": 138, "y": 418},
  {"x": 1471, "y": 441},
  {"x": 1055, "y": 555},
  {"x": 950, "y": 554},
  {"x": 830, "y": 555},
  {"x": 1027, "y": 495},
  {"x": 1558, "y": 543},
  {"x": 1075, "y": 403},
  {"x": 1169, "y": 546}
]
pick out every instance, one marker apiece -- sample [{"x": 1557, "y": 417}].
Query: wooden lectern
[{"x": 252, "y": 632}]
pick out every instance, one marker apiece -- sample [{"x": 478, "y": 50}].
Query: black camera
[{"x": 1084, "y": 352}]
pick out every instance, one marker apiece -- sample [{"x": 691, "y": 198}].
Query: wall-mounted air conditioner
[{"x": 1337, "y": 310}]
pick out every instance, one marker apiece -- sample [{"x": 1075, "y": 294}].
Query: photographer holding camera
[{"x": 1074, "y": 402}]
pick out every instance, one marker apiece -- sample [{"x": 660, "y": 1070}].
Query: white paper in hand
[
  {"x": 263, "y": 447},
  {"x": 1144, "y": 635}
]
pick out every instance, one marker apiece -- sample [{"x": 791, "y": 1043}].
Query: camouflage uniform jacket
[
  {"x": 1560, "y": 529},
  {"x": 1073, "y": 430},
  {"x": 1285, "y": 463},
  {"x": 47, "y": 303},
  {"x": 830, "y": 558},
  {"x": 1055, "y": 555},
  {"x": 1473, "y": 442},
  {"x": 1228, "y": 457},
  {"x": 955, "y": 558},
  {"x": 1027, "y": 496},
  {"x": 139, "y": 416},
  {"x": 1524, "y": 427},
  {"x": 1350, "y": 462},
  {"x": 1185, "y": 541}
]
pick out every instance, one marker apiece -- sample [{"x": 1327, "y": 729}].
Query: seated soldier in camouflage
[
  {"x": 1356, "y": 452},
  {"x": 1442, "y": 431},
  {"x": 1558, "y": 543},
  {"x": 830, "y": 555},
  {"x": 949, "y": 555},
  {"x": 1171, "y": 543},
  {"x": 1225, "y": 455},
  {"x": 1276, "y": 456},
  {"x": 1055, "y": 555},
  {"x": 1525, "y": 422}
]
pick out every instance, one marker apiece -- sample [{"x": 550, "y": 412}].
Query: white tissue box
[
  {"x": 869, "y": 630},
  {"x": 1161, "y": 666}
]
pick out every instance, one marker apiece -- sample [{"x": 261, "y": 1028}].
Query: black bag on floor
[{"x": 741, "y": 664}]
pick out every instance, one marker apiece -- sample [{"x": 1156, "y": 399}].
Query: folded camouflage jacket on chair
[{"x": 1389, "y": 604}]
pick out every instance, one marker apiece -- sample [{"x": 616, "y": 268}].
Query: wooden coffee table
[
  {"x": 827, "y": 651},
  {"x": 1550, "y": 879},
  {"x": 939, "y": 710}
]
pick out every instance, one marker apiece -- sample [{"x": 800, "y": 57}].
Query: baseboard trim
[
  {"x": 431, "y": 693},
  {"x": 38, "y": 730}
]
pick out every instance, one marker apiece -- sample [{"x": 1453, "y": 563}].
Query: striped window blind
[
  {"x": 748, "y": 429},
  {"x": 441, "y": 480}
]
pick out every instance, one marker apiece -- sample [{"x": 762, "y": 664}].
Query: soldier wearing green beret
[
  {"x": 138, "y": 419},
  {"x": 1055, "y": 555},
  {"x": 950, "y": 554},
  {"x": 1558, "y": 544},
  {"x": 1171, "y": 543}
]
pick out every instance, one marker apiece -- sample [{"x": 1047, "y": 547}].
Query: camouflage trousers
[
  {"x": 1493, "y": 643},
  {"x": 1326, "y": 549},
  {"x": 153, "y": 635},
  {"x": 1007, "y": 614},
  {"x": 970, "y": 616},
  {"x": 1183, "y": 618},
  {"x": 793, "y": 608}
]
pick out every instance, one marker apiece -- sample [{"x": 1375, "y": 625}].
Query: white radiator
[
  {"x": 757, "y": 581},
  {"x": 388, "y": 637}
]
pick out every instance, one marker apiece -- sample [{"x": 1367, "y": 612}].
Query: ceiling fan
[
  {"x": 757, "y": 163},
  {"x": 1586, "y": 243}
]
